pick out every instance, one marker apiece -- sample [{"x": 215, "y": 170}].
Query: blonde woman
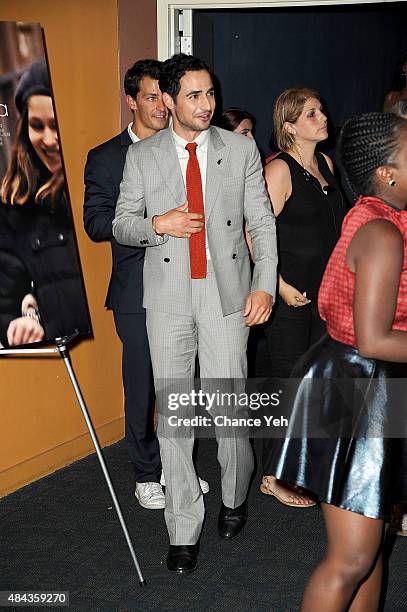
[{"x": 309, "y": 208}]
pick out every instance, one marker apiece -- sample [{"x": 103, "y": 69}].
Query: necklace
[
  {"x": 305, "y": 171},
  {"x": 321, "y": 191},
  {"x": 307, "y": 174},
  {"x": 301, "y": 160}
]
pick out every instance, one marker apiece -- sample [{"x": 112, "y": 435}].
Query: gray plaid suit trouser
[{"x": 220, "y": 343}]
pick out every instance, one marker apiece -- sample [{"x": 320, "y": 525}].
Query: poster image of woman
[{"x": 41, "y": 288}]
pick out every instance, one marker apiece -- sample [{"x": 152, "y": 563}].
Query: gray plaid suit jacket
[{"x": 152, "y": 185}]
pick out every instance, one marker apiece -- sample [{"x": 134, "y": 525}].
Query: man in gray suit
[{"x": 185, "y": 195}]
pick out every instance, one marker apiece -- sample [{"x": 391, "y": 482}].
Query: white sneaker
[
  {"x": 150, "y": 495},
  {"x": 202, "y": 483}
]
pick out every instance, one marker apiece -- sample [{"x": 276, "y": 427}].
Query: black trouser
[
  {"x": 289, "y": 335},
  {"x": 141, "y": 440}
]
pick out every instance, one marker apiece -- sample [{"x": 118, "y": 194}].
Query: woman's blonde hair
[
  {"x": 288, "y": 107},
  {"x": 23, "y": 176}
]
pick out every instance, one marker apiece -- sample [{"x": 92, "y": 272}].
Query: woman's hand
[
  {"x": 29, "y": 306},
  {"x": 291, "y": 295},
  {"x": 24, "y": 330}
]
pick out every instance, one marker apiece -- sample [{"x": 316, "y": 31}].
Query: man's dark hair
[
  {"x": 174, "y": 69},
  {"x": 143, "y": 68},
  {"x": 367, "y": 142}
]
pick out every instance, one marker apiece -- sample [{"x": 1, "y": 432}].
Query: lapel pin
[{"x": 219, "y": 161}]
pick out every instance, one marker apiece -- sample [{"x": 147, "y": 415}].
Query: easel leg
[{"x": 63, "y": 351}]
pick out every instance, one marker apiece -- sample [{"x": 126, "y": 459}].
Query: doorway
[{"x": 347, "y": 52}]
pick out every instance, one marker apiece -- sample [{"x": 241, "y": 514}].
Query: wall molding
[{"x": 53, "y": 459}]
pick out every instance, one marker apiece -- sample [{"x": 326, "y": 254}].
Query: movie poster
[{"x": 41, "y": 288}]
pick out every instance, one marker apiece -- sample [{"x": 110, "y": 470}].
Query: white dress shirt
[
  {"x": 132, "y": 135},
  {"x": 202, "y": 155}
]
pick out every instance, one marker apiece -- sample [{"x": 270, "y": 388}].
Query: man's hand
[
  {"x": 258, "y": 308},
  {"x": 178, "y": 222}
]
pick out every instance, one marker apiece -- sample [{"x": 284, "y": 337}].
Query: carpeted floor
[{"x": 61, "y": 533}]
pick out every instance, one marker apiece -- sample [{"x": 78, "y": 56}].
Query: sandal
[
  {"x": 292, "y": 492},
  {"x": 398, "y": 522}
]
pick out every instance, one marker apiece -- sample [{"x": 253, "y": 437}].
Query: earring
[{"x": 392, "y": 182}]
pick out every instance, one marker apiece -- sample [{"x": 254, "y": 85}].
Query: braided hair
[{"x": 368, "y": 141}]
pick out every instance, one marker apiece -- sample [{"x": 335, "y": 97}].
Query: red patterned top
[{"x": 335, "y": 298}]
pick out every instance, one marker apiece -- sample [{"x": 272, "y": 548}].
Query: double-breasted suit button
[
  {"x": 229, "y": 222},
  {"x": 234, "y": 256},
  {"x": 166, "y": 259},
  {"x": 35, "y": 244}
]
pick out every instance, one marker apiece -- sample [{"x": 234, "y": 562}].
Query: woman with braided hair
[{"x": 345, "y": 389}]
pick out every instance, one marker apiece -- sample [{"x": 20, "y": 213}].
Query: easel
[{"x": 61, "y": 347}]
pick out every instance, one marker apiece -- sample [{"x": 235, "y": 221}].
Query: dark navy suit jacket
[{"x": 103, "y": 175}]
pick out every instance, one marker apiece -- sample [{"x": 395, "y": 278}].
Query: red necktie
[{"x": 197, "y": 246}]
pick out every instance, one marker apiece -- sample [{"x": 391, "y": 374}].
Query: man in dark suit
[{"x": 103, "y": 174}]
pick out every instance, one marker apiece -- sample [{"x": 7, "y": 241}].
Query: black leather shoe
[
  {"x": 232, "y": 520},
  {"x": 182, "y": 559}
]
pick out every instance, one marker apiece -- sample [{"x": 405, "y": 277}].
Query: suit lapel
[
  {"x": 125, "y": 142},
  {"x": 218, "y": 154},
  {"x": 125, "y": 139},
  {"x": 167, "y": 159}
]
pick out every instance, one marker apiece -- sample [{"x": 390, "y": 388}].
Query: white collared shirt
[
  {"x": 202, "y": 155},
  {"x": 132, "y": 135}
]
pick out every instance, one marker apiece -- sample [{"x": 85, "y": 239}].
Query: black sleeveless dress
[{"x": 308, "y": 229}]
